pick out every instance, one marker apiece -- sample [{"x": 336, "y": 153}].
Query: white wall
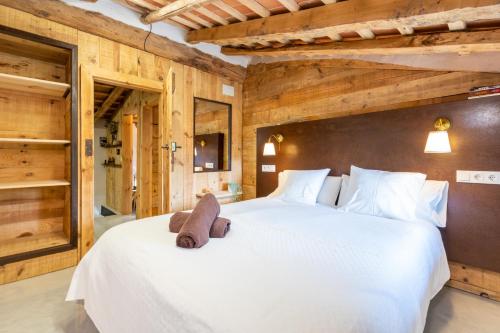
[{"x": 99, "y": 170}]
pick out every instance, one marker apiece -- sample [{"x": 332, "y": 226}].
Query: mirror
[{"x": 212, "y": 136}]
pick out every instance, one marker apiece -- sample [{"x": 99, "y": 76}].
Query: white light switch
[
  {"x": 478, "y": 177},
  {"x": 268, "y": 168}
]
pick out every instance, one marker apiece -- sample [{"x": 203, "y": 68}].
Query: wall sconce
[
  {"x": 269, "y": 149},
  {"x": 438, "y": 141}
]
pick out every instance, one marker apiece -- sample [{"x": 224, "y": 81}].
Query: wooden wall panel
[
  {"x": 307, "y": 90},
  {"x": 175, "y": 124}
]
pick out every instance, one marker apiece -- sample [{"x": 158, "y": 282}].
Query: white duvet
[{"x": 282, "y": 268}]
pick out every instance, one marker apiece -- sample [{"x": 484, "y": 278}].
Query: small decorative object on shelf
[
  {"x": 111, "y": 163},
  {"x": 116, "y": 144}
]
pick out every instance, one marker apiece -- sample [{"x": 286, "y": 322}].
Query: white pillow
[
  {"x": 345, "y": 193},
  {"x": 301, "y": 186},
  {"x": 432, "y": 202},
  {"x": 329, "y": 191},
  {"x": 382, "y": 193},
  {"x": 279, "y": 189}
]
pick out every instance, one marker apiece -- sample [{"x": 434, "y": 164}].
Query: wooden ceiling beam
[
  {"x": 173, "y": 9},
  {"x": 100, "y": 25},
  {"x": 447, "y": 42},
  {"x": 348, "y": 16},
  {"x": 108, "y": 103}
]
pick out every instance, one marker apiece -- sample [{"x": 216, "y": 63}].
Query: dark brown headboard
[{"x": 394, "y": 141}]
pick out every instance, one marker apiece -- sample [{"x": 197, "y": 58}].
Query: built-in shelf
[
  {"x": 31, "y": 85},
  {"x": 32, "y": 243},
  {"x": 221, "y": 194},
  {"x": 32, "y": 183},
  {"x": 109, "y": 145},
  {"x": 34, "y": 141},
  {"x": 109, "y": 165}
]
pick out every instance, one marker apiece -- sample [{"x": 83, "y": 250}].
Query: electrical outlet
[{"x": 478, "y": 177}]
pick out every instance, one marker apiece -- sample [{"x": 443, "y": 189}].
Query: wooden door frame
[{"x": 89, "y": 75}]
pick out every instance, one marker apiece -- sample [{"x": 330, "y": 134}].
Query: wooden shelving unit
[
  {"x": 32, "y": 183},
  {"x": 34, "y": 141},
  {"x": 32, "y": 243},
  {"x": 32, "y": 85},
  {"x": 38, "y": 139}
]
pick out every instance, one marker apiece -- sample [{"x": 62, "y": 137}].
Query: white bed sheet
[{"x": 282, "y": 268}]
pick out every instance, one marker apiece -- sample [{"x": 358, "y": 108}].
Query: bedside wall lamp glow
[
  {"x": 269, "y": 149},
  {"x": 438, "y": 140}
]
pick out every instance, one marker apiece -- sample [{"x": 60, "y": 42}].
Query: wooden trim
[
  {"x": 348, "y": 16},
  {"x": 447, "y": 42},
  {"x": 18, "y": 270},
  {"x": 100, "y": 25},
  {"x": 123, "y": 80},
  {"x": 89, "y": 75},
  {"x": 475, "y": 280},
  {"x": 229, "y": 133}
]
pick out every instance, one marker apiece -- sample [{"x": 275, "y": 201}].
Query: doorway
[{"x": 122, "y": 168}]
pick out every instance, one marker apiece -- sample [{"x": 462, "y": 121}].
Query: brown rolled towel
[
  {"x": 195, "y": 231},
  {"x": 219, "y": 228}
]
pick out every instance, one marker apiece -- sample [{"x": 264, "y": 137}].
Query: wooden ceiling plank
[
  {"x": 365, "y": 33},
  {"x": 202, "y": 10},
  {"x": 457, "y": 26},
  {"x": 187, "y": 23},
  {"x": 256, "y": 7},
  {"x": 405, "y": 29},
  {"x": 447, "y": 42},
  {"x": 291, "y": 5},
  {"x": 173, "y": 9},
  {"x": 230, "y": 10},
  {"x": 352, "y": 15},
  {"x": 198, "y": 19},
  {"x": 108, "y": 103}
]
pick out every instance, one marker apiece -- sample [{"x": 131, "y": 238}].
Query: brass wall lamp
[
  {"x": 269, "y": 149},
  {"x": 438, "y": 140}
]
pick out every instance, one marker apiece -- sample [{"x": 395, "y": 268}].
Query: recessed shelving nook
[{"x": 38, "y": 146}]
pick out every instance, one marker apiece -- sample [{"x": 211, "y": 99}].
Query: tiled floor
[{"x": 37, "y": 305}]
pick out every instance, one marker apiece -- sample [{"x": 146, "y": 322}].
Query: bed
[{"x": 283, "y": 267}]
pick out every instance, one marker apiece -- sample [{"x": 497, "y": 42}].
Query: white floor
[{"x": 37, "y": 305}]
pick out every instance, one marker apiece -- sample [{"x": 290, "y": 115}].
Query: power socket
[{"x": 478, "y": 177}]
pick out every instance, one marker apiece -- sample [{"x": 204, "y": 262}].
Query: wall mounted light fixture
[
  {"x": 269, "y": 149},
  {"x": 438, "y": 140}
]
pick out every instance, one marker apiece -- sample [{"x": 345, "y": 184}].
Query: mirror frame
[{"x": 229, "y": 133}]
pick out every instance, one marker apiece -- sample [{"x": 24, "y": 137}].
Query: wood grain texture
[
  {"x": 307, "y": 90},
  {"x": 135, "y": 67},
  {"x": 394, "y": 141},
  {"x": 37, "y": 266},
  {"x": 347, "y": 16},
  {"x": 127, "y": 36},
  {"x": 475, "y": 280}
]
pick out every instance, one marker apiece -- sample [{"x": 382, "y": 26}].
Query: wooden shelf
[
  {"x": 35, "y": 86},
  {"x": 32, "y": 243},
  {"x": 221, "y": 194},
  {"x": 32, "y": 183},
  {"x": 34, "y": 141}
]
